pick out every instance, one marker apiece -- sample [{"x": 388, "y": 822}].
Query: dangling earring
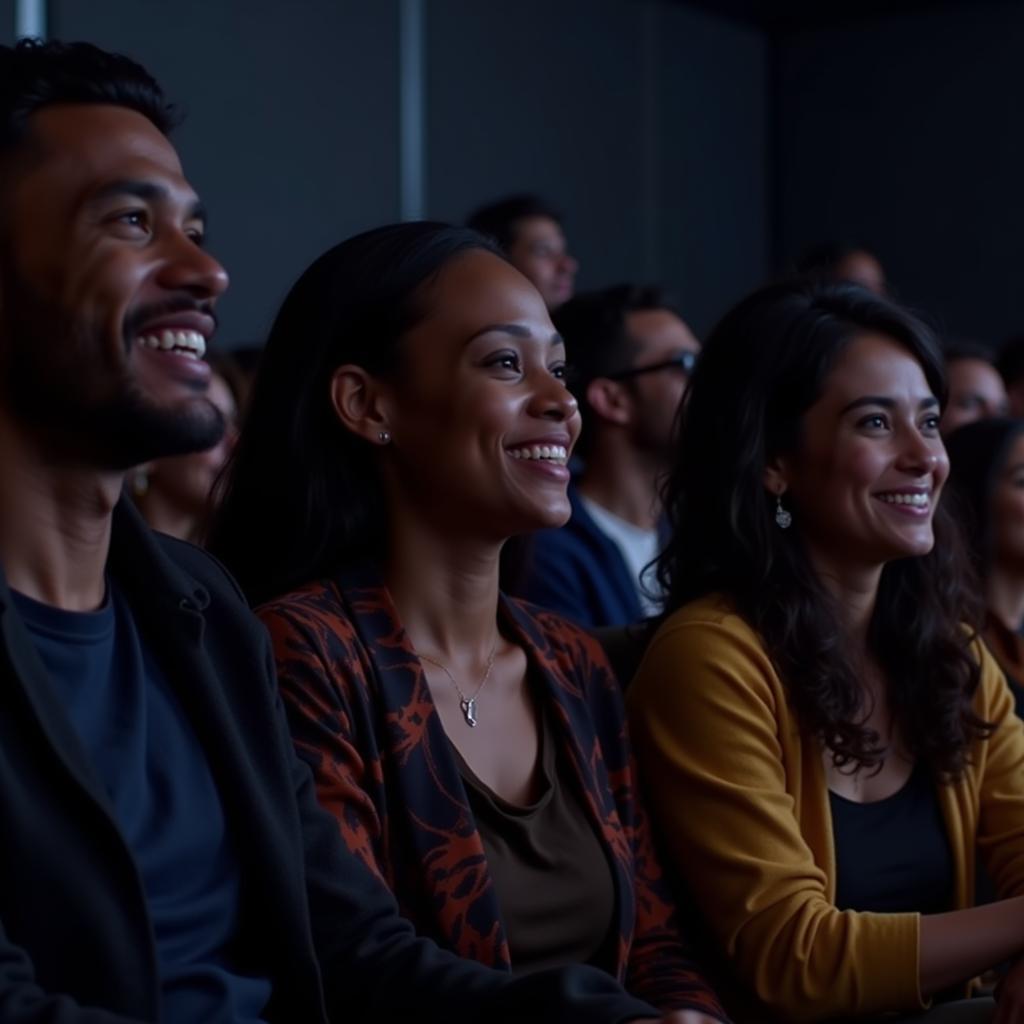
[
  {"x": 140, "y": 481},
  {"x": 384, "y": 437},
  {"x": 783, "y": 518}
]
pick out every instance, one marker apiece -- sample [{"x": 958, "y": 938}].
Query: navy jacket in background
[
  {"x": 76, "y": 945},
  {"x": 578, "y": 571}
]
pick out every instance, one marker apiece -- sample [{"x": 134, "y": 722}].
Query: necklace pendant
[{"x": 469, "y": 712}]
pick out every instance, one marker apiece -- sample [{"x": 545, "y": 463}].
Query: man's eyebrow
[
  {"x": 886, "y": 403},
  {"x": 147, "y": 191}
]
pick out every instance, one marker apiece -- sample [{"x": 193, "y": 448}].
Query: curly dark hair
[
  {"x": 34, "y": 75},
  {"x": 762, "y": 368}
]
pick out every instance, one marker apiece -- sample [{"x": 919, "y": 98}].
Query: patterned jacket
[{"x": 362, "y": 716}]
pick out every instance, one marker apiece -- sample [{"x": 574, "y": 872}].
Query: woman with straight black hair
[
  {"x": 826, "y": 741},
  {"x": 409, "y": 416}
]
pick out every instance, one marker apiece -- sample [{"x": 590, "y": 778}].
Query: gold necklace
[{"x": 467, "y": 705}]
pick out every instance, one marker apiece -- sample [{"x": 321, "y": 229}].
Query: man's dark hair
[
  {"x": 497, "y": 221},
  {"x": 597, "y": 341},
  {"x": 35, "y": 74}
]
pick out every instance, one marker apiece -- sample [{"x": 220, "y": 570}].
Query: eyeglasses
[{"x": 684, "y": 361}]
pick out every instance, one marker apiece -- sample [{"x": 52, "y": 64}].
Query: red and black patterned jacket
[{"x": 362, "y": 716}]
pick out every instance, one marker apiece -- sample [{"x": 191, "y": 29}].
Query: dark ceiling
[{"x": 796, "y": 13}]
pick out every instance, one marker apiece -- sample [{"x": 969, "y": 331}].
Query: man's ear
[
  {"x": 610, "y": 400},
  {"x": 360, "y": 404}
]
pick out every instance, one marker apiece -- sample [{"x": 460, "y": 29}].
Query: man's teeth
[
  {"x": 188, "y": 343},
  {"x": 551, "y": 452},
  {"x": 917, "y": 500}
]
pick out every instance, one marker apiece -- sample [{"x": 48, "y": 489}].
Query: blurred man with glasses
[{"x": 631, "y": 355}]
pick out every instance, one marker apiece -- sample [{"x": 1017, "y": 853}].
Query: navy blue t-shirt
[{"x": 164, "y": 798}]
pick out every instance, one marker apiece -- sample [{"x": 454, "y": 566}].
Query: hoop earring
[{"x": 783, "y": 518}]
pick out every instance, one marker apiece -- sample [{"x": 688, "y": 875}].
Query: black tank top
[{"x": 893, "y": 855}]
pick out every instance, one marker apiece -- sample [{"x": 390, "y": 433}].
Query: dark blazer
[
  {"x": 362, "y": 716},
  {"x": 76, "y": 944},
  {"x": 578, "y": 571}
]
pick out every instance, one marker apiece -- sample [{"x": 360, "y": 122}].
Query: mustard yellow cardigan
[{"x": 741, "y": 798}]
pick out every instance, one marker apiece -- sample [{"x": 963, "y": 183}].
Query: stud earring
[
  {"x": 783, "y": 518},
  {"x": 384, "y": 437},
  {"x": 140, "y": 482}
]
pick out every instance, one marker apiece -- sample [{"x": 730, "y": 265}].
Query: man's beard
[{"x": 56, "y": 380}]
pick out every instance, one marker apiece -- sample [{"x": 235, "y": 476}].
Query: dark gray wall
[
  {"x": 290, "y": 131},
  {"x": 905, "y": 133},
  {"x": 7, "y": 22},
  {"x": 712, "y": 199},
  {"x": 644, "y": 120}
]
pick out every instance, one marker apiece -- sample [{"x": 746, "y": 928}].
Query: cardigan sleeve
[
  {"x": 1000, "y": 835},
  {"x": 710, "y": 725}
]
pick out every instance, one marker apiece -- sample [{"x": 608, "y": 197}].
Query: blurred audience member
[
  {"x": 471, "y": 748},
  {"x": 987, "y": 488},
  {"x": 530, "y": 234},
  {"x": 631, "y": 355},
  {"x": 238, "y": 365},
  {"x": 840, "y": 261},
  {"x": 175, "y": 494},
  {"x": 1010, "y": 363},
  {"x": 976, "y": 390}
]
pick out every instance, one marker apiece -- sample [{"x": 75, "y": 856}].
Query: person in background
[
  {"x": 827, "y": 744},
  {"x": 987, "y": 484},
  {"x": 409, "y": 416},
  {"x": 530, "y": 233},
  {"x": 1010, "y": 363},
  {"x": 175, "y": 494},
  {"x": 164, "y": 855},
  {"x": 976, "y": 389},
  {"x": 631, "y": 354},
  {"x": 841, "y": 261}
]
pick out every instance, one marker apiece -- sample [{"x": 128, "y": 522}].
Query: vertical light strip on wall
[
  {"x": 411, "y": 110},
  {"x": 651, "y": 159},
  {"x": 30, "y": 19}
]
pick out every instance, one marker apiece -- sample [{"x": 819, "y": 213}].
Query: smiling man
[{"x": 163, "y": 854}]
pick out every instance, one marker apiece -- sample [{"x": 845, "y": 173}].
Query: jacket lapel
[
  {"x": 431, "y": 792},
  {"x": 562, "y": 676}
]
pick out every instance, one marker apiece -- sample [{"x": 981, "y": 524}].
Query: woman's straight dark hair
[
  {"x": 760, "y": 371},
  {"x": 302, "y": 494}
]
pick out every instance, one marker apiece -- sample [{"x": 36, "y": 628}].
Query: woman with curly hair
[
  {"x": 826, "y": 741},
  {"x": 409, "y": 416}
]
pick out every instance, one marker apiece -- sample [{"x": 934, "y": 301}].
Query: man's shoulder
[{"x": 201, "y": 566}]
